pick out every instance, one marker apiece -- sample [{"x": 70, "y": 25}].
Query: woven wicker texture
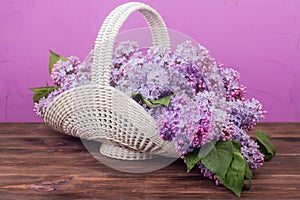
[{"x": 102, "y": 113}]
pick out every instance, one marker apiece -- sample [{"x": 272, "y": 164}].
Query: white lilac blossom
[{"x": 207, "y": 102}]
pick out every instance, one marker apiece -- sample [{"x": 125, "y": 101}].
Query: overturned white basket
[{"x": 102, "y": 113}]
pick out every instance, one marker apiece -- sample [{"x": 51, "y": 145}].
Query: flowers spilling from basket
[{"x": 196, "y": 102}]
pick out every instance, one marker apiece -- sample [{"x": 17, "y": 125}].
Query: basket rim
[{"x": 92, "y": 85}]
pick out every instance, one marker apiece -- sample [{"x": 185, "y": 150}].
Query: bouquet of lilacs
[{"x": 197, "y": 103}]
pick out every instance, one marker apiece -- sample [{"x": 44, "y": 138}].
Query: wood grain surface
[{"x": 38, "y": 163}]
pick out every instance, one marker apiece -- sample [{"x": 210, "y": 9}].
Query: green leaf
[
  {"x": 41, "y": 92},
  {"x": 149, "y": 103},
  {"x": 219, "y": 158},
  {"x": 191, "y": 159},
  {"x": 226, "y": 162},
  {"x": 236, "y": 145},
  {"x": 53, "y": 59},
  {"x": 140, "y": 97},
  {"x": 134, "y": 95},
  {"x": 248, "y": 175},
  {"x": 206, "y": 148},
  {"x": 234, "y": 179},
  {"x": 265, "y": 146},
  {"x": 165, "y": 101}
]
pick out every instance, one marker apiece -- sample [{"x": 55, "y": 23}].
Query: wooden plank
[{"x": 38, "y": 163}]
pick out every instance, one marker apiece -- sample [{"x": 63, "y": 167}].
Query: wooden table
[{"x": 38, "y": 163}]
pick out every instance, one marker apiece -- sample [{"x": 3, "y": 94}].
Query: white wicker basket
[{"x": 102, "y": 113}]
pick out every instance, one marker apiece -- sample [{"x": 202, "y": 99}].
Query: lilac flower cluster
[
  {"x": 41, "y": 107},
  {"x": 245, "y": 114},
  {"x": 153, "y": 75},
  {"x": 234, "y": 91},
  {"x": 65, "y": 75},
  {"x": 208, "y": 174},
  {"x": 192, "y": 122},
  {"x": 185, "y": 122},
  {"x": 208, "y": 104},
  {"x": 62, "y": 70},
  {"x": 249, "y": 147}
]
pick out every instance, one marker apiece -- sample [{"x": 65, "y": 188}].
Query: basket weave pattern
[{"x": 102, "y": 113}]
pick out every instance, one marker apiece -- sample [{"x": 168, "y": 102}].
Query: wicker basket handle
[{"x": 104, "y": 44}]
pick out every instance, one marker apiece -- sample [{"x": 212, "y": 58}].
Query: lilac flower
[
  {"x": 249, "y": 148},
  {"x": 66, "y": 75},
  {"x": 41, "y": 107},
  {"x": 122, "y": 54},
  {"x": 153, "y": 75},
  {"x": 189, "y": 122},
  {"x": 207, "y": 173},
  {"x": 245, "y": 114},
  {"x": 209, "y": 103},
  {"x": 234, "y": 91},
  {"x": 62, "y": 69}
]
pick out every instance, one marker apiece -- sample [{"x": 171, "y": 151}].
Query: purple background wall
[{"x": 260, "y": 38}]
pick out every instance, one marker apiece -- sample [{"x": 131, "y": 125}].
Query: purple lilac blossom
[
  {"x": 76, "y": 73},
  {"x": 153, "y": 75},
  {"x": 62, "y": 69},
  {"x": 245, "y": 114},
  {"x": 41, "y": 107},
  {"x": 208, "y": 104},
  {"x": 207, "y": 173},
  {"x": 231, "y": 77},
  {"x": 249, "y": 148},
  {"x": 191, "y": 122}
]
